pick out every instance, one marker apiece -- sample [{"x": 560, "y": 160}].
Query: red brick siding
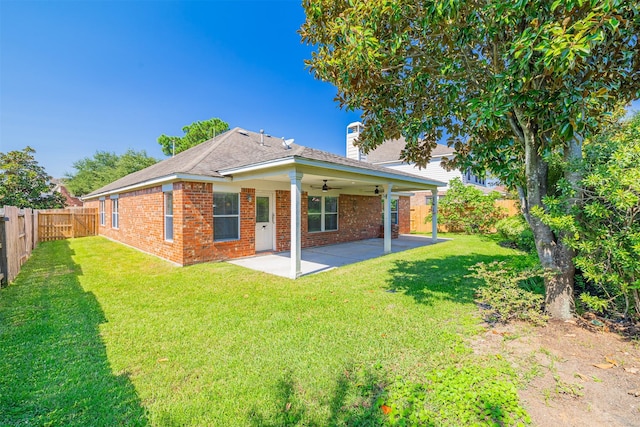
[
  {"x": 404, "y": 215},
  {"x": 419, "y": 198},
  {"x": 283, "y": 220},
  {"x": 141, "y": 222},
  {"x": 359, "y": 218},
  {"x": 199, "y": 245}
]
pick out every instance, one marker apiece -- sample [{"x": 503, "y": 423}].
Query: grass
[{"x": 95, "y": 333}]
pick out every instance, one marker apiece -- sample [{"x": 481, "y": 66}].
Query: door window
[{"x": 262, "y": 209}]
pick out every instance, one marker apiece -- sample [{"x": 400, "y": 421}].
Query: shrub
[
  {"x": 466, "y": 208},
  {"x": 510, "y": 294},
  {"x": 516, "y": 231}
]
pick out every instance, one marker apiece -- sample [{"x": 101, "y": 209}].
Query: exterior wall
[
  {"x": 197, "y": 224},
  {"x": 283, "y": 220},
  {"x": 423, "y": 198},
  {"x": 404, "y": 215},
  {"x": 359, "y": 218},
  {"x": 141, "y": 222},
  {"x": 433, "y": 171}
]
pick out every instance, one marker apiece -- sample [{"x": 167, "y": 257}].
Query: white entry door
[{"x": 265, "y": 219}]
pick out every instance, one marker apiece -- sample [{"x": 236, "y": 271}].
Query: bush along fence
[
  {"x": 22, "y": 229},
  {"x": 420, "y": 212}
]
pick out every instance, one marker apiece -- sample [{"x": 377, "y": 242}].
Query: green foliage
[
  {"x": 505, "y": 292},
  {"x": 457, "y": 396},
  {"x": 608, "y": 228},
  {"x": 605, "y": 230},
  {"x": 467, "y": 208},
  {"x": 103, "y": 168},
  {"x": 25, "y": 184},
  {"x": 516, "y": 231},
  {"x": 594, "y": 303},
  {"x": 194, "y": 134}
]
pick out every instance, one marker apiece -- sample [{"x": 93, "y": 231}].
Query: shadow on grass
[
  {"x": 433, "y": 280},
  {"x": 53, "y": 363},
  {"x": 353, "y": 402}
]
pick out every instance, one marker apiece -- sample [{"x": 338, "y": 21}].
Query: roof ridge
[{"x": 214, "y": 144}]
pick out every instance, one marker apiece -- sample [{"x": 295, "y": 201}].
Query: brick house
[{"x": 244, "y": 192}]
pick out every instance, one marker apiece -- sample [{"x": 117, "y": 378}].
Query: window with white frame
[
  {"x": 394, "y": 211},
  {"x": 101, "y": 212},
  {"x": 226, "y": 216},
  {"x": 168, "y": 215},
  {"x": 114, "y": 213},
  {"x": 322, "y": 213}
]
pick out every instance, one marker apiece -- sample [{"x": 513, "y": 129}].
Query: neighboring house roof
[
  {"x": 389, "y": 151},
  {"x": 238, "y": 151},
  {"x": 70, "y": 200}
]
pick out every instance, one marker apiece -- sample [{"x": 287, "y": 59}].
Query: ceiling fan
[
  {"x": 325, "y": 187},
  {"x": 377, "y": 191}
]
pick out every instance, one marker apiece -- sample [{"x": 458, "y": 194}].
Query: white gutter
[{"x": 157, "y": 181}]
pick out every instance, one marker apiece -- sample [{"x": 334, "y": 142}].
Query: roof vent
[{"x": 262, "y": 137}]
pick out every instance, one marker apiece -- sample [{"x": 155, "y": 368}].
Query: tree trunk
[
  {"x": 636, "y": 300},
  {"x": 555, "y": 257},
  {"x": 558, "y": 301}
]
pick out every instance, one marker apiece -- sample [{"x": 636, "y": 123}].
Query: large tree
[
  {"x": 194, "y": 134},
  {"x": 25, "y": 184},
  {"x": 104, "y": 167},
  {"x": 514, "y": 86}
]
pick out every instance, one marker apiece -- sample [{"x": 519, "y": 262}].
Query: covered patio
[{"x": 323, "y": 258}]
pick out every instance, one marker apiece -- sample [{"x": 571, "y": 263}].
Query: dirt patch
[{"x": 571, "y": 376}]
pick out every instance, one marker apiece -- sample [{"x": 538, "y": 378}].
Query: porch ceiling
[{"x": 340, "y": 182}]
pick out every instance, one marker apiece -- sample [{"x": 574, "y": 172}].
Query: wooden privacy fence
[
  {"x": 419, "y": 213},
  {"x": 58, "y": 224},
  {"x": 22, "y": 229},
  {"x": 18, "y": 237}
]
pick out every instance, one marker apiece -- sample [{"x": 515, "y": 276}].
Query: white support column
[
  {"x": 296, "y": 211},
  {"x": 387, "y": 218},
  {"x": 434, "y": 215}
]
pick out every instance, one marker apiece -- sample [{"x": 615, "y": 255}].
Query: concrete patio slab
[{"x": 324, "y": 258}]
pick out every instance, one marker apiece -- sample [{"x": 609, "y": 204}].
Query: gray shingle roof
[
  {"x": 389, "y": 151},
  {"x": 233, "y": 149}
]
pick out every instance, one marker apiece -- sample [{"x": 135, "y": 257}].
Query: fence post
[{"x": 4, "y": 271}]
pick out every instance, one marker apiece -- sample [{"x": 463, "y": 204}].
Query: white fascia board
[
  {"x": 402, "y": 194},
  {"x": 157, "y": 181},
  {"x": 287, "y": 161}
]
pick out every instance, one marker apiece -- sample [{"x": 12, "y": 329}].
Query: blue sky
[{"x": 82, "y": 76}]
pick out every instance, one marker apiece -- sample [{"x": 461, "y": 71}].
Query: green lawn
[{"x": 95, "y": 333}]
